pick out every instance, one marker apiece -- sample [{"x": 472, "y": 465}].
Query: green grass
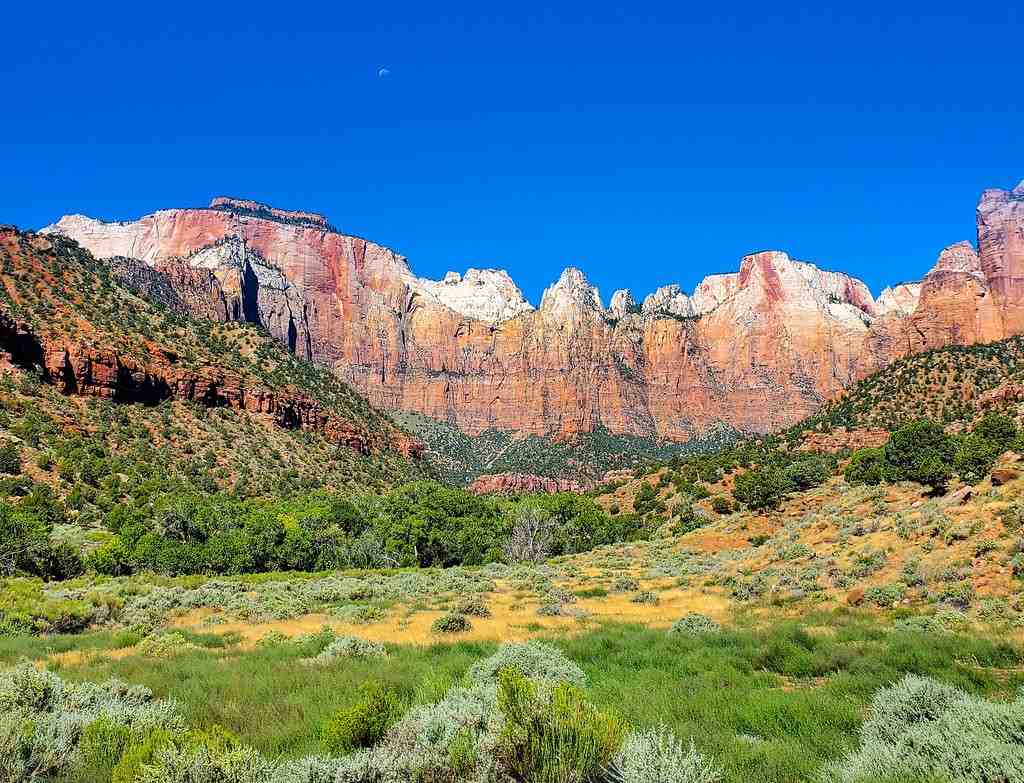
[{"x": 770, "y": 704}]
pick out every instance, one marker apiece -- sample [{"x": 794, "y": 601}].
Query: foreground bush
[
  {"x": 657, "y": 756},
  {"x": 364, "y": 723},
  {"x": 49, "y": 727},
  {"x": 920, "y": 728},
  {"x": 555, "y": 738}
]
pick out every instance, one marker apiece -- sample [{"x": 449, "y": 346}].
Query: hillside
[
  {"x": 947, "y": 384},
  {"x": 103, "y": 393},
  {"x": 583, "y": 458}
]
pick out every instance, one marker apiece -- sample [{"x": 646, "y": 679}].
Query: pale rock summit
[
  {"x": 103, "y": 240},
  {"x": 572, "y": 292},
  {"x": 622, "y": 304},
  {"x": 487, "y": 295},
  {"x": 772, "y": 276},
  {"x": 668, "y": 300},
  {"x": 961, "y": 257},
  {"x": 900, "y": 299}
]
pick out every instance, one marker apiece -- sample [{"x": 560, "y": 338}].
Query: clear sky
[{"x": 646, "y": 143}]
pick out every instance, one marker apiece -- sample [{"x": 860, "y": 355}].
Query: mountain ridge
[{"x": 757, "y": 349}]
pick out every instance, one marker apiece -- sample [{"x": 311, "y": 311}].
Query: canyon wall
[{"x": 756, "y": 349}]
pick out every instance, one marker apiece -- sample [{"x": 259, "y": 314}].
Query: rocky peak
[
  {"x": 960, "y": 257},
  {"x": 775, "y": 277},
  {"x": 487, "y": 295},
  {"x": 1019, "y": 190},
  {"x": 900, "y": 299},
  {"x": 622, "y": 304},
  {"x": 668, "y": 300},
  {"x": 572, "y": 291},
  {"x": 256, "y": 209}
]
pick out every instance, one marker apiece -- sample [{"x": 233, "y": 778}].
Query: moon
[{"x": 383, "y": 73}]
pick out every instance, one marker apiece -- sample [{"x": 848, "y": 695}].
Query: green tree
[
  {"x": 867, "y": 466},
  {"x": 762, "y": 488},
  {"x": 921, "y": 451}
]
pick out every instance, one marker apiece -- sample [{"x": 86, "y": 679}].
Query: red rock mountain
[{"x": 756, "y": 349}]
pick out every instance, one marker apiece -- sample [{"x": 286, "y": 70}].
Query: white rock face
[
  {"x": 712, "y": 291},
  {"x": 231, "y": 255},
  {"x": 572, "y": 292},
  {"x": 900, "y": 299},
  {"x": 668, "y": 300},
  {"x": 103, "y": 239},
  {"x": 622, "y": 304},
  {"x": 483, "y": 294}
]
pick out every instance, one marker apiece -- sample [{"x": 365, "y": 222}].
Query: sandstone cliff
[
  {"x": 67, "y": 324},
  {"x": 758, "y": 349}
]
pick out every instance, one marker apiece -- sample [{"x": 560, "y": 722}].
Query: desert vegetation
[{"x": 195, "y": 594}]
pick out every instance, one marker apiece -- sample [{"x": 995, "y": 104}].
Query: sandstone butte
[{"x": 757, "y": 349}]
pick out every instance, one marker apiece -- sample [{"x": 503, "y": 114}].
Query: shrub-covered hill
[
  {"x": 585, "y": 458},
  {"x": 107, "y": 399},
  {"x": 944, "y": 385}
]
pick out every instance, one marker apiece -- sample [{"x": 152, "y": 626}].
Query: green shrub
[
  {"x": 555, "y": 738},
  {"x": 625, "y": 584},
  {"x": 693, "y": 624},
  {"x": 998, "y": 429},
  {"x": 10, "y": 459},
  {"x": 867, "y": 466},
  {"x": 474, "y": 607},
  {"x": 534, "y": 660},
  {"x": 808, "y": 472},
  {"x": 453, "y": 622},
  {"x": 101, "y": 746},
  {"x": 923, "y": 729},
  {"x": 762, "y": 488},
  {"x": 645, "y": 597},
  {"x": 351, "y": 647},
  {"x": 657, "y": 756},
  {"x": 884, "y": 595},
  {"x": 165, "y": 645},
  {"x": 138, "y": 754},
  {"x": 364, "y": 723}
]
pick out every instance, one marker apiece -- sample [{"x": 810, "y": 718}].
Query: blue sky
[{"x": 646, "y": 143}]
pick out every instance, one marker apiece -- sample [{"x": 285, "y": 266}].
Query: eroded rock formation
[{"x": 757, "y": 349}]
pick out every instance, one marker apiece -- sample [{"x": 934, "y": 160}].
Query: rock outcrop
[
  {"x": 757, "y": 349},
  {"x": 517, "y": 483}
]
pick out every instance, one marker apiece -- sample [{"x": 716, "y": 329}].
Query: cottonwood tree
[{"x": 533, "y": 531}]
